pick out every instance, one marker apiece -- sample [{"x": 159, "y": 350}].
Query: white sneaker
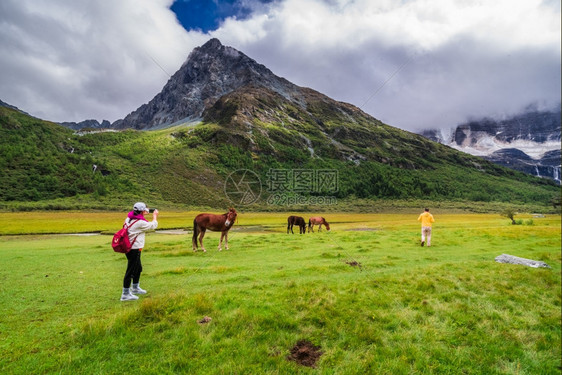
[
  {"x": 137, "y": 290},
  {"x": 128, "y": 297}
]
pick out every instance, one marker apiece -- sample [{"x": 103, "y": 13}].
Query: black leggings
[{"x": 134, "y": 268}]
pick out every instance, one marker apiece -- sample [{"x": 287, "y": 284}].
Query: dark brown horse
[
  {"x": 317, "y": 220},
  {"x": 296, "y": 220},
  {"x": 216, "y": 223}
]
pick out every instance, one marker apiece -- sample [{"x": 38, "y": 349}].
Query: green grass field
[{"x": 366, "y": 293}]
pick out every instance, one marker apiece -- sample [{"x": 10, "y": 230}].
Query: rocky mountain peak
[
  {"x": 212, "y": 44},
  {"x": 210, "y": 72}
]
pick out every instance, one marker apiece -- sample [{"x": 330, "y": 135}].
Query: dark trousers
[{"x": 134, "y": 268}]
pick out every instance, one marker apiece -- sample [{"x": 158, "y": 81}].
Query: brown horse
[
  {"x": 292, "y": 220},
  {"x": 317, "y": 220},
  {"x": 217, "y": 223}
]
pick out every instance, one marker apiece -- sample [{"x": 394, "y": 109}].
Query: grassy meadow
[{"x": 367, "y": 294}]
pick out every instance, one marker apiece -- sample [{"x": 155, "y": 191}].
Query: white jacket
[{"x": 138, "y": 229}]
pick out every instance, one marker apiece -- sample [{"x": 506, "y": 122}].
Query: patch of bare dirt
[
  {"x": 354, "y": 263},
  {"x": 305, "y": 353}
]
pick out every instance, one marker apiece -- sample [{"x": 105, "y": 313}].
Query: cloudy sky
[{"x": 413, "y": 64}]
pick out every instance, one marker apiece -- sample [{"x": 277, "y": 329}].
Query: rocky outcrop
[
  {"x": 533, "y": 126},
  {"x": 547, "y": 166},
  {"x": 87, "y": 124}
]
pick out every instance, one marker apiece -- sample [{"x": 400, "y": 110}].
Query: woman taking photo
[{"x": 137, "y": 225}]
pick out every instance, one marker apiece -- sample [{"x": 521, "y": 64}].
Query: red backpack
[{"x": 121, "y": 243}]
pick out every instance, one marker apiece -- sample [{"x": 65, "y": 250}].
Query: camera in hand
[{"x": 151, "y": 210}]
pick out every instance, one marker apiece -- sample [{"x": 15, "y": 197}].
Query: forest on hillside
[{"x": 43, "y": 161}]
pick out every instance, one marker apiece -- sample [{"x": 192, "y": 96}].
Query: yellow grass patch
[{"x": 108, "y": 222}]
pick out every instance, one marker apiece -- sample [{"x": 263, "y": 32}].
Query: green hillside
[
  {"x": 37, "y": 160},
  {"x": 44, "y": 165}
]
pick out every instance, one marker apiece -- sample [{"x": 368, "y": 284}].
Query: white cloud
[
  {"x": 462, "y": 59},
  {"x": 412, "y": 64},
  {"x": 68, "y": 60}
]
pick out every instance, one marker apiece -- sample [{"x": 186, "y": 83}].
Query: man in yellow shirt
[{"x": 426, "y": 219}]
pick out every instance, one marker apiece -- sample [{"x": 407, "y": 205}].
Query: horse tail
[{"x": 195, "y": 233}]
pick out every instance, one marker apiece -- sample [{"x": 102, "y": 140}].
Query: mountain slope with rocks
[{"x": 211, "y": 71}]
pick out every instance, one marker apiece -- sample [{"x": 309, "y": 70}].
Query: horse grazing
[
  {"x": 215, "y": 223},
  {"x": 317, "y": 220},
  {"x": 292, "y": 220}
]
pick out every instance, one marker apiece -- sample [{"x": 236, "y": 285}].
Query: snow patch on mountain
[
  {"x": 528, "y": 142},
  {"x": 487, "y": 145}
]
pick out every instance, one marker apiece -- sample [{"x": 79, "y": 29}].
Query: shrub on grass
[{"x": 510, "y": 214}]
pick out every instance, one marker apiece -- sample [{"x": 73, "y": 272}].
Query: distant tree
[
  {"x": 555, "y": 201},
  {"x": 510, "y": 214}
]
